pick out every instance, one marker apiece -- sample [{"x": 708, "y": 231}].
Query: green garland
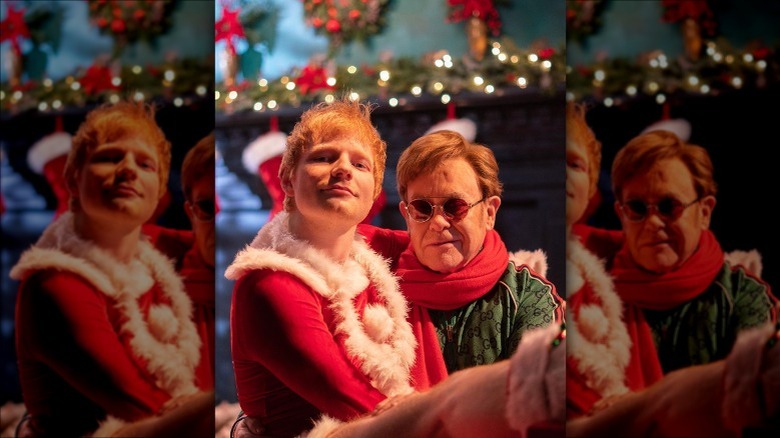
[
  {"x": 723, "y": 69},
  {"x": 441, "y": 75},
  {"x": 177, "y": 82}
]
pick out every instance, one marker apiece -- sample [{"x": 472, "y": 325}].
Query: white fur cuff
[
  {"x": 322, "y": 427},
  {"x": 743, "y": 378},
  {"x": 536, "y": 390}
]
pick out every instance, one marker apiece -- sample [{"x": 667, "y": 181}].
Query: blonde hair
[
  {"x": 644, "y": 150},
  {"x": 428, "y": 151},
  {"x": 198, "y": 160},
  {"x": 326, "y": 122}
]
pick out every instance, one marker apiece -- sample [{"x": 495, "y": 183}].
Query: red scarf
[
  {"x": 428, "y": 289},
  {"x": 644, "y": 368},
  {"x": 671, "y": 289},
  {"x": 434, "y": 290}
]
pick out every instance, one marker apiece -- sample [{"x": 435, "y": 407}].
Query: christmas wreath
[
  {"x": 344, "y": 20},
  {"x": 129, "y": 21},
  {"x": 583, "y": 18}
]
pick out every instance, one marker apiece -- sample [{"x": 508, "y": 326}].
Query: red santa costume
[
  {"x": 312, "y": 336},
  {"x": 610, "y": 353},
  {"x": 99, "y": 342},
  {"x": 199, "y": 280}
]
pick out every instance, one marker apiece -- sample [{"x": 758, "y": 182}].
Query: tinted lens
[
  {"x": 456, "y": 209},
  {"x": 420, "y": 210},
  {"x": 204, "y": 210},
  {"x": 670, "y": 208},
  {"x": 635, "y": 210}
]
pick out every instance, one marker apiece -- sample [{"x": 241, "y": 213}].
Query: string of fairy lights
[
  {"x": 613, "y": 82},
  {"x": 398, "y": 80},
  {"x": 178, "y": 83},
  {"x": 610, "y": 82}
]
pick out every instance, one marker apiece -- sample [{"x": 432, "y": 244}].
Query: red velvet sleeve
[
  {"x": 62, "y": 322},
  {"x": 277, "y": 322},
  {"x": 388, "y": 243}
]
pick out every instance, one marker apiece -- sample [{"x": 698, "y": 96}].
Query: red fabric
[
  {"x": 52, "y": 171},
  {"x": 376, "y": 207},
  {"x": 438, "y": 291},
  {"x": 601, "y": 242},
  {"x": 199, "y": 284},
  {"x": 198, "y": 279},
  {"x": 644, "y": 369},
  {"x": 269, "y": 174},
  {"x": 172, "y": 242},
  {"x": 288, "y": 364},
  {"x": 429, "y": 368},
  {"x": 74, "y": 366},
  {"x": 641, "y": 288}
]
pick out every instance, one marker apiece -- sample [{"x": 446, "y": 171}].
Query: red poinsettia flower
[
  {"x": 118, "y": 26},
  {"x": 312, "y": 78},
  {"x": 333, "y": 26},
  {"x": 14, "y": 28},
  {"x": 546, "y": 53}
]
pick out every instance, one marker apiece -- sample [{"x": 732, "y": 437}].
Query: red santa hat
[
  {"x": 465, "y": 127},
  {"x": 679, "y": 127},
  {"x": 263, "y": 156},
  {"x": 47, "y": 157}
]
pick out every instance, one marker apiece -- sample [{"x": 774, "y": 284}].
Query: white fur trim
[
  {"x": 322, "y": 427},
  {"x": 536, "y": 386},
  {"x": 262, "y": 148},
  {"x": 536, "y": 260},
  {"x": 108, "y": 427},
  {"x": 171, "y": 349},
  {"x": 382, "y": 343},
  {"x": 465, "y": 127},
  {"x": 750, "y": 260},
  {"x": 679, "y": 127},
  {"x": 743, "y": 383},
  {"x": 599, "y": 338},
  {"x": 48, "y": 148}
]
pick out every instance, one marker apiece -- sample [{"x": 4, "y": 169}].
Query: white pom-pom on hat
[
  {"x": 463, "y": 126},
  {"x": 679, "y": 127},
  {"x": 263, "y": 148},
  {"x": 47, "y": 149}
]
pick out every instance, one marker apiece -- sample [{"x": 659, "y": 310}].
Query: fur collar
[
  {"x": 166, "y": 340},
  {"x": 382, "y": 343},
  {"x": 599, "y": 338}
]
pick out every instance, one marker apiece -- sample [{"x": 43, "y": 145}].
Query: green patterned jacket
[
  {"x": 704, "y": 329},
  {"x": 489, "y": 329}
]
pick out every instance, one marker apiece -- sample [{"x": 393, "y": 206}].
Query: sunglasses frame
[
  {"x": 198, "y": 212},
  {"x": 650, "y": 208},
  {"x": 447, "y": 215}
]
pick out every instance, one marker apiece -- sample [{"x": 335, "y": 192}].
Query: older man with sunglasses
[
  {"x": 666, "y": 263},
  {"x": 468, "y": 299}
]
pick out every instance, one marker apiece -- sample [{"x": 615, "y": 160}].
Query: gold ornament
[
  {"x": 476, "y": 33},
  {"x": 230, "y": 64},
  {"x": 692, "y": 38}
]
